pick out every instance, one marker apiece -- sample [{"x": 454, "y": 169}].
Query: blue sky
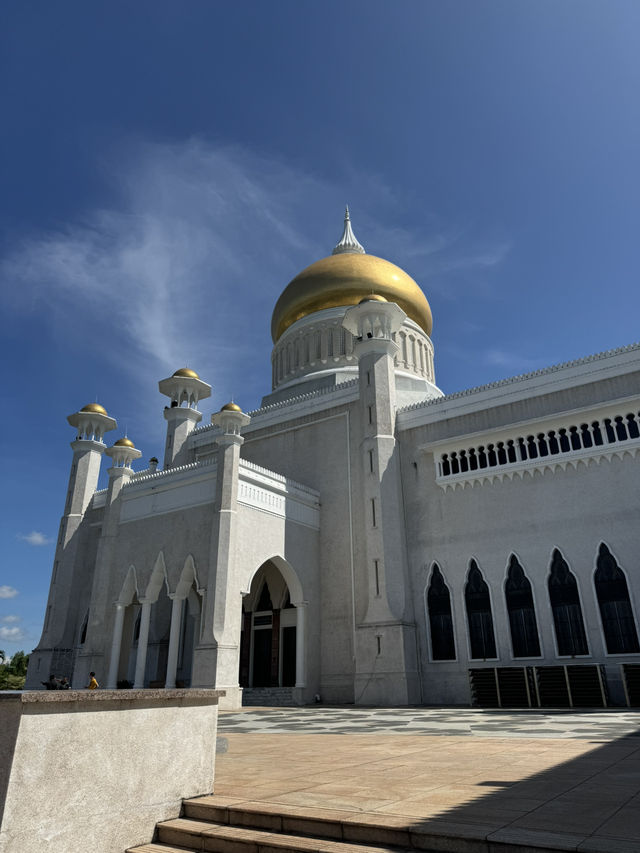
[{"x": 167, "y": 168}]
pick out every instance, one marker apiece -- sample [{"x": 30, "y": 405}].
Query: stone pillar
[
  {"x": 174, "y": 640},
  {"x": 274, "y": 675},
  {"x": 245, "y": 649},
  {"x": 143, "y": 640},
  {"x": 301, "y": 668},
  {"x": 116, "y": 642},
  {"x": 386, "y": 657},
  {"x": 216, "y": 658}
]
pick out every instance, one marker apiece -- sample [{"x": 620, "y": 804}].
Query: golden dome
[
  {"x": 187, "y": 373},
  {"x": 124, "y": 442},
  {"x": 94, "y": 408},
  {"x": 345, "y": 279},
  {"x": 231, "y": 407}
]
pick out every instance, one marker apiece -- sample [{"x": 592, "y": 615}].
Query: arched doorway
[{"x": 272, "y": 629}]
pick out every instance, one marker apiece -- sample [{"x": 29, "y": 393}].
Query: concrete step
[
  {"x": 198, "y": 835},
  {"x": 227, "y": 825},
  {"x": 269, "y": 697},
  {"x": 296, "y": 820}
]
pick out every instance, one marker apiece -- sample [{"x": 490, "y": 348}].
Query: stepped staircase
[
  {"x": 267, "y": 697},
  {"x": 260, "y": 828}
]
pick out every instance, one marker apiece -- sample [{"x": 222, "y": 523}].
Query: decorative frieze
[
  {"x": 270, "y": 492},
  {"x": 591, "y": 437}
]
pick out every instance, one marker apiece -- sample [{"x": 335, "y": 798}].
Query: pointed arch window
[
  {"x": 565, "y": 605},
  {"x": 476, "y": 594},
  {"x": 443, "y": 645},
  {"x": 522, "y": 615},
  {"x": 618, "y": 623},
  {"x": 264, "y": 603}
]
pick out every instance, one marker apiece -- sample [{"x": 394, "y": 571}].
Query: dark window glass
[
  {"x": 476, "y": 595},
  {"x": 440, "y": 619},
  {"x": 265, "y": 599},
  {"x": 565, "y": 604},
  {"x": 615, "y": 607},
  {"x": 522, "y": 614},
  {"x": 83, "y": 633}
]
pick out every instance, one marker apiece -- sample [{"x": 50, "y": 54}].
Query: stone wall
[{"x": 96, "y": 770}]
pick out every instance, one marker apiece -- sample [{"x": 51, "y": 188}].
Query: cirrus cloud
[{"x": 198, "y": 246}]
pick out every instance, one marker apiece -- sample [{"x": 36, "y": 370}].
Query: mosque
[{"x": 362, "y": 537}]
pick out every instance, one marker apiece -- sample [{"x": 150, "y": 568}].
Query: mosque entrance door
[{"x": 268, "y": 644}]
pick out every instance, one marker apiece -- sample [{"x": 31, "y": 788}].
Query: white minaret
[
  {"x": 92, "y": 656},
  {"x": 385, "y": 637},
  {"x": 184, "y": 389},
  {"x": 215, "y": 661},
  {"x": 55, "y": 651}
]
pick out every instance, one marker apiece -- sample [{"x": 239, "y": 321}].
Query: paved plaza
[{"x": 550, "y": 780}]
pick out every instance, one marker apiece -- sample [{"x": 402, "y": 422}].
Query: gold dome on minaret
[
  {"x": 124, "y": 442},
  {"x": 94, "y": 408},
  {"x": 345, "y": 278},
  {"x": 187, "y": 373}
]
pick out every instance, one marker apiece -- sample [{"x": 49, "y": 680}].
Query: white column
[
  {"x": 174, "y": 640},
  {"x": 143, "y": 639},
  {"x": 301, "y": 669},
  {"x": 116, "y": 642}
]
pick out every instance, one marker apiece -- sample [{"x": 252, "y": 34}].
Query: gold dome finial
[
  {"x": 348, "y": 243},
  {"x": 231, "y": 407},
  {"x": 124, "y": 442},
  {"x": 187, "y": 373},
  {"x": 94, "y": 408}
]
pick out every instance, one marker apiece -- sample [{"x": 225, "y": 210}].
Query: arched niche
[
  {"x": 616, "y": 613},
  {"x": 482, "y": 641},
  {"x": 523, "y": 625},
  {"x": 441, "y": 631},
  {"x": 571, "y": 638}
]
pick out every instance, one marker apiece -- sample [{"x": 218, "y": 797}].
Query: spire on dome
[{"x": 348, "y": 242}]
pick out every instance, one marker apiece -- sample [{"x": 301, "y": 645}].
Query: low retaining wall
[{"x": 97, "y": 769}]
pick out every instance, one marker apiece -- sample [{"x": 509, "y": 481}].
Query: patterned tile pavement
[{"x": 593, "y": 725}]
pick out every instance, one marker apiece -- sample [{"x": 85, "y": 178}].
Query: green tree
[
  {"x": 19, "y": 663},
  {"x": 13, "y": 673}
]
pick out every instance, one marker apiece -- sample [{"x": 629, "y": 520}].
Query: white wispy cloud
[
  {"x": 185, "y": 267},
  {"x": 35, "y": 538},
  {"x": 8, "y": 591},
  {"x": 13, "y": 635},
  {"x": 11, "y": 619}
]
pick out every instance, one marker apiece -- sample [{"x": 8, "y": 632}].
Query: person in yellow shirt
[{"x": 93, "y": 684}]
